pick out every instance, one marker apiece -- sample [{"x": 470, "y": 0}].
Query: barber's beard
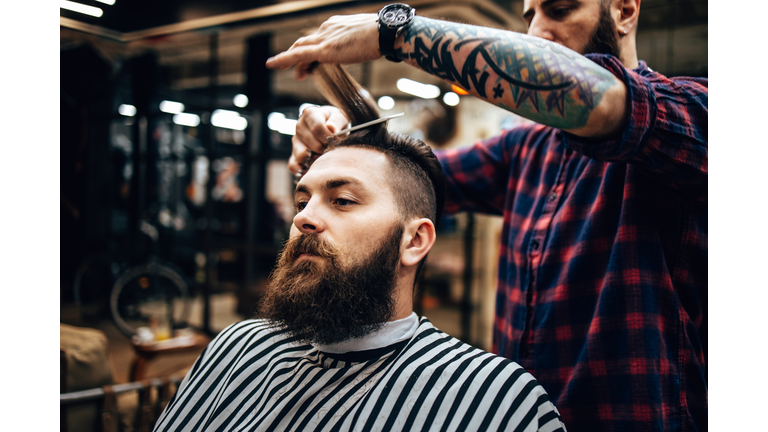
[
  {"x": 604, "y": 39},
  {"x": 327, "y": 302}
]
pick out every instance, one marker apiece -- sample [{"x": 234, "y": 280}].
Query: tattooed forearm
[{"x": 537, "y": 79}]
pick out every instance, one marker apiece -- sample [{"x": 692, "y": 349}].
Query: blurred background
[{"x": 174, "y": 144}]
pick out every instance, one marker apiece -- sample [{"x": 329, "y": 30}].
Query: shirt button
[
  {"x": 552, "y": 196},
  {"x": 535, "y": 245}
]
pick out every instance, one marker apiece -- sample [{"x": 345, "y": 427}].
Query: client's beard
[
  {"x": 604, "y": 39},
  {"x": 326, "y": 303}
]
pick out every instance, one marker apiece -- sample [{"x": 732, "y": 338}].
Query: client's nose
[{"x": 308, "y": 221}]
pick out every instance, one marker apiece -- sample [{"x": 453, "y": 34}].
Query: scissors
[
  {"x": 366, "y": 124},
  {"x": 310, "y": 153}
]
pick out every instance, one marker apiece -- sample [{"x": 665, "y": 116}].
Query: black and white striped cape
[{"x": 253, "y": 377}]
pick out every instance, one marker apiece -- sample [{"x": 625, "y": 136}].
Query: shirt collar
[
  {"x": 390, "y": 333},
  {"x": 642, "y": 67}
]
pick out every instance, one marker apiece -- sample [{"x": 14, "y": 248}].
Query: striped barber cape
[{"x": 254, "y": 377}]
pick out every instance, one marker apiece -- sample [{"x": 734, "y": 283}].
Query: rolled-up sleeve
[{"x": 665, "y": 133}]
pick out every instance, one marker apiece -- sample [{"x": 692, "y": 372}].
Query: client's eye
[
  {"x": 300, "y": 205},
  {"x": 343, "y": 202}
]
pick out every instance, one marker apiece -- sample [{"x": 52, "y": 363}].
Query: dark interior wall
[{"x": 86, "y": 89}]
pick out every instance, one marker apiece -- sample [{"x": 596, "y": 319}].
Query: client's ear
[{"x": 419, "y": 238}]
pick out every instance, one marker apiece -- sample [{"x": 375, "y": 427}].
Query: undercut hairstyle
[{"x": 416, "y": 179}]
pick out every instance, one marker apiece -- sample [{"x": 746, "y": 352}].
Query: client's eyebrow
[{"x": 332, "y": 184}]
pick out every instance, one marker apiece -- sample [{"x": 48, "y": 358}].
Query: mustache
[
  {"x": 331, "y": 303},
  {"x": 307, "y": 243}
]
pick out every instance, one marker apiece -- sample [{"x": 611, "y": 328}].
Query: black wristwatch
[{"x": 393, "y": 19}]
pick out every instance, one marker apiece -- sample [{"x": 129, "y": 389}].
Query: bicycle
[{"x": 152, "y": 294}]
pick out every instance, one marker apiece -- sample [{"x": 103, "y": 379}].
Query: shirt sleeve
[
  {"x": 478, "y": 176},
  {"x": 666, "y": 129}
]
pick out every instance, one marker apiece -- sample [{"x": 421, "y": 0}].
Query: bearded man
[
  {"x": 602, "y": 279},
  {"x": 339, "y": 347}
]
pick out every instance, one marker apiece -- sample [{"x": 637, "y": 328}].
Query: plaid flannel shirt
[{"x": 602, "y": 280}]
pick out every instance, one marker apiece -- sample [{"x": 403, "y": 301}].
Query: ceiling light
[
  {"x": 127, "y": 110},
  {"x": 109, "y": 2},
  {"x": 81, "y": 8},
  {"x": 425, "y": 91},
  {"x": 186, "y": 119},
  {"x": 386, "y": 103},
  {"x": 277, "y": 122},
  {"x": 451, "y": 99},
  {"x": 228, "y": 120},
  {"x": 241, "y": 101},
  {"x": 171, "y": 107}
]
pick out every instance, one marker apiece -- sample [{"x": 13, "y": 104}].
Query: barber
[{"x": 602, "y": 291}]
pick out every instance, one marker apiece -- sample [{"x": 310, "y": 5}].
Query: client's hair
[{"x": 417, "y": 180}]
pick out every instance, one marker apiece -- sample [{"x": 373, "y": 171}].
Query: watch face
[{"x": 397, "y": 15}]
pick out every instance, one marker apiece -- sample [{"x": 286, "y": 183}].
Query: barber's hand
[
  {"x": 315, "y": 125},
  {"x": 340, "y": 40}
]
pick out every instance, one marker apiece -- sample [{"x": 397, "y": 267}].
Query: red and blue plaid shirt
[{"x": 602, "y": 290}]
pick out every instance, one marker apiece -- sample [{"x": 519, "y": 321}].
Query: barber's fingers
[
  {"x": 295, "y": 55},
  {"x": 335, "y": 119},
  {"x": 340, "y": 40},
  {"x": 298, "y": 156},
  {"x": 311, "y": 131},
  {"x": 304, "y": 41},
  {"x": 305, "y": 50},
  {"x": 294, "y": 166},
  {"x": 316, "y": 124},
  {"x": 303, "y": 70},
  {"x": 314, "y": 127}
]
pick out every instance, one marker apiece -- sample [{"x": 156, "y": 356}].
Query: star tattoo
[{"x": 498, "y": 91}]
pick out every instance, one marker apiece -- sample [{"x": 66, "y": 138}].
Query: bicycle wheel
[{"x": 147, "y": 291}]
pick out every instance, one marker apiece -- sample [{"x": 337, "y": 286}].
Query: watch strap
[{"x": 387, "y": 38}]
